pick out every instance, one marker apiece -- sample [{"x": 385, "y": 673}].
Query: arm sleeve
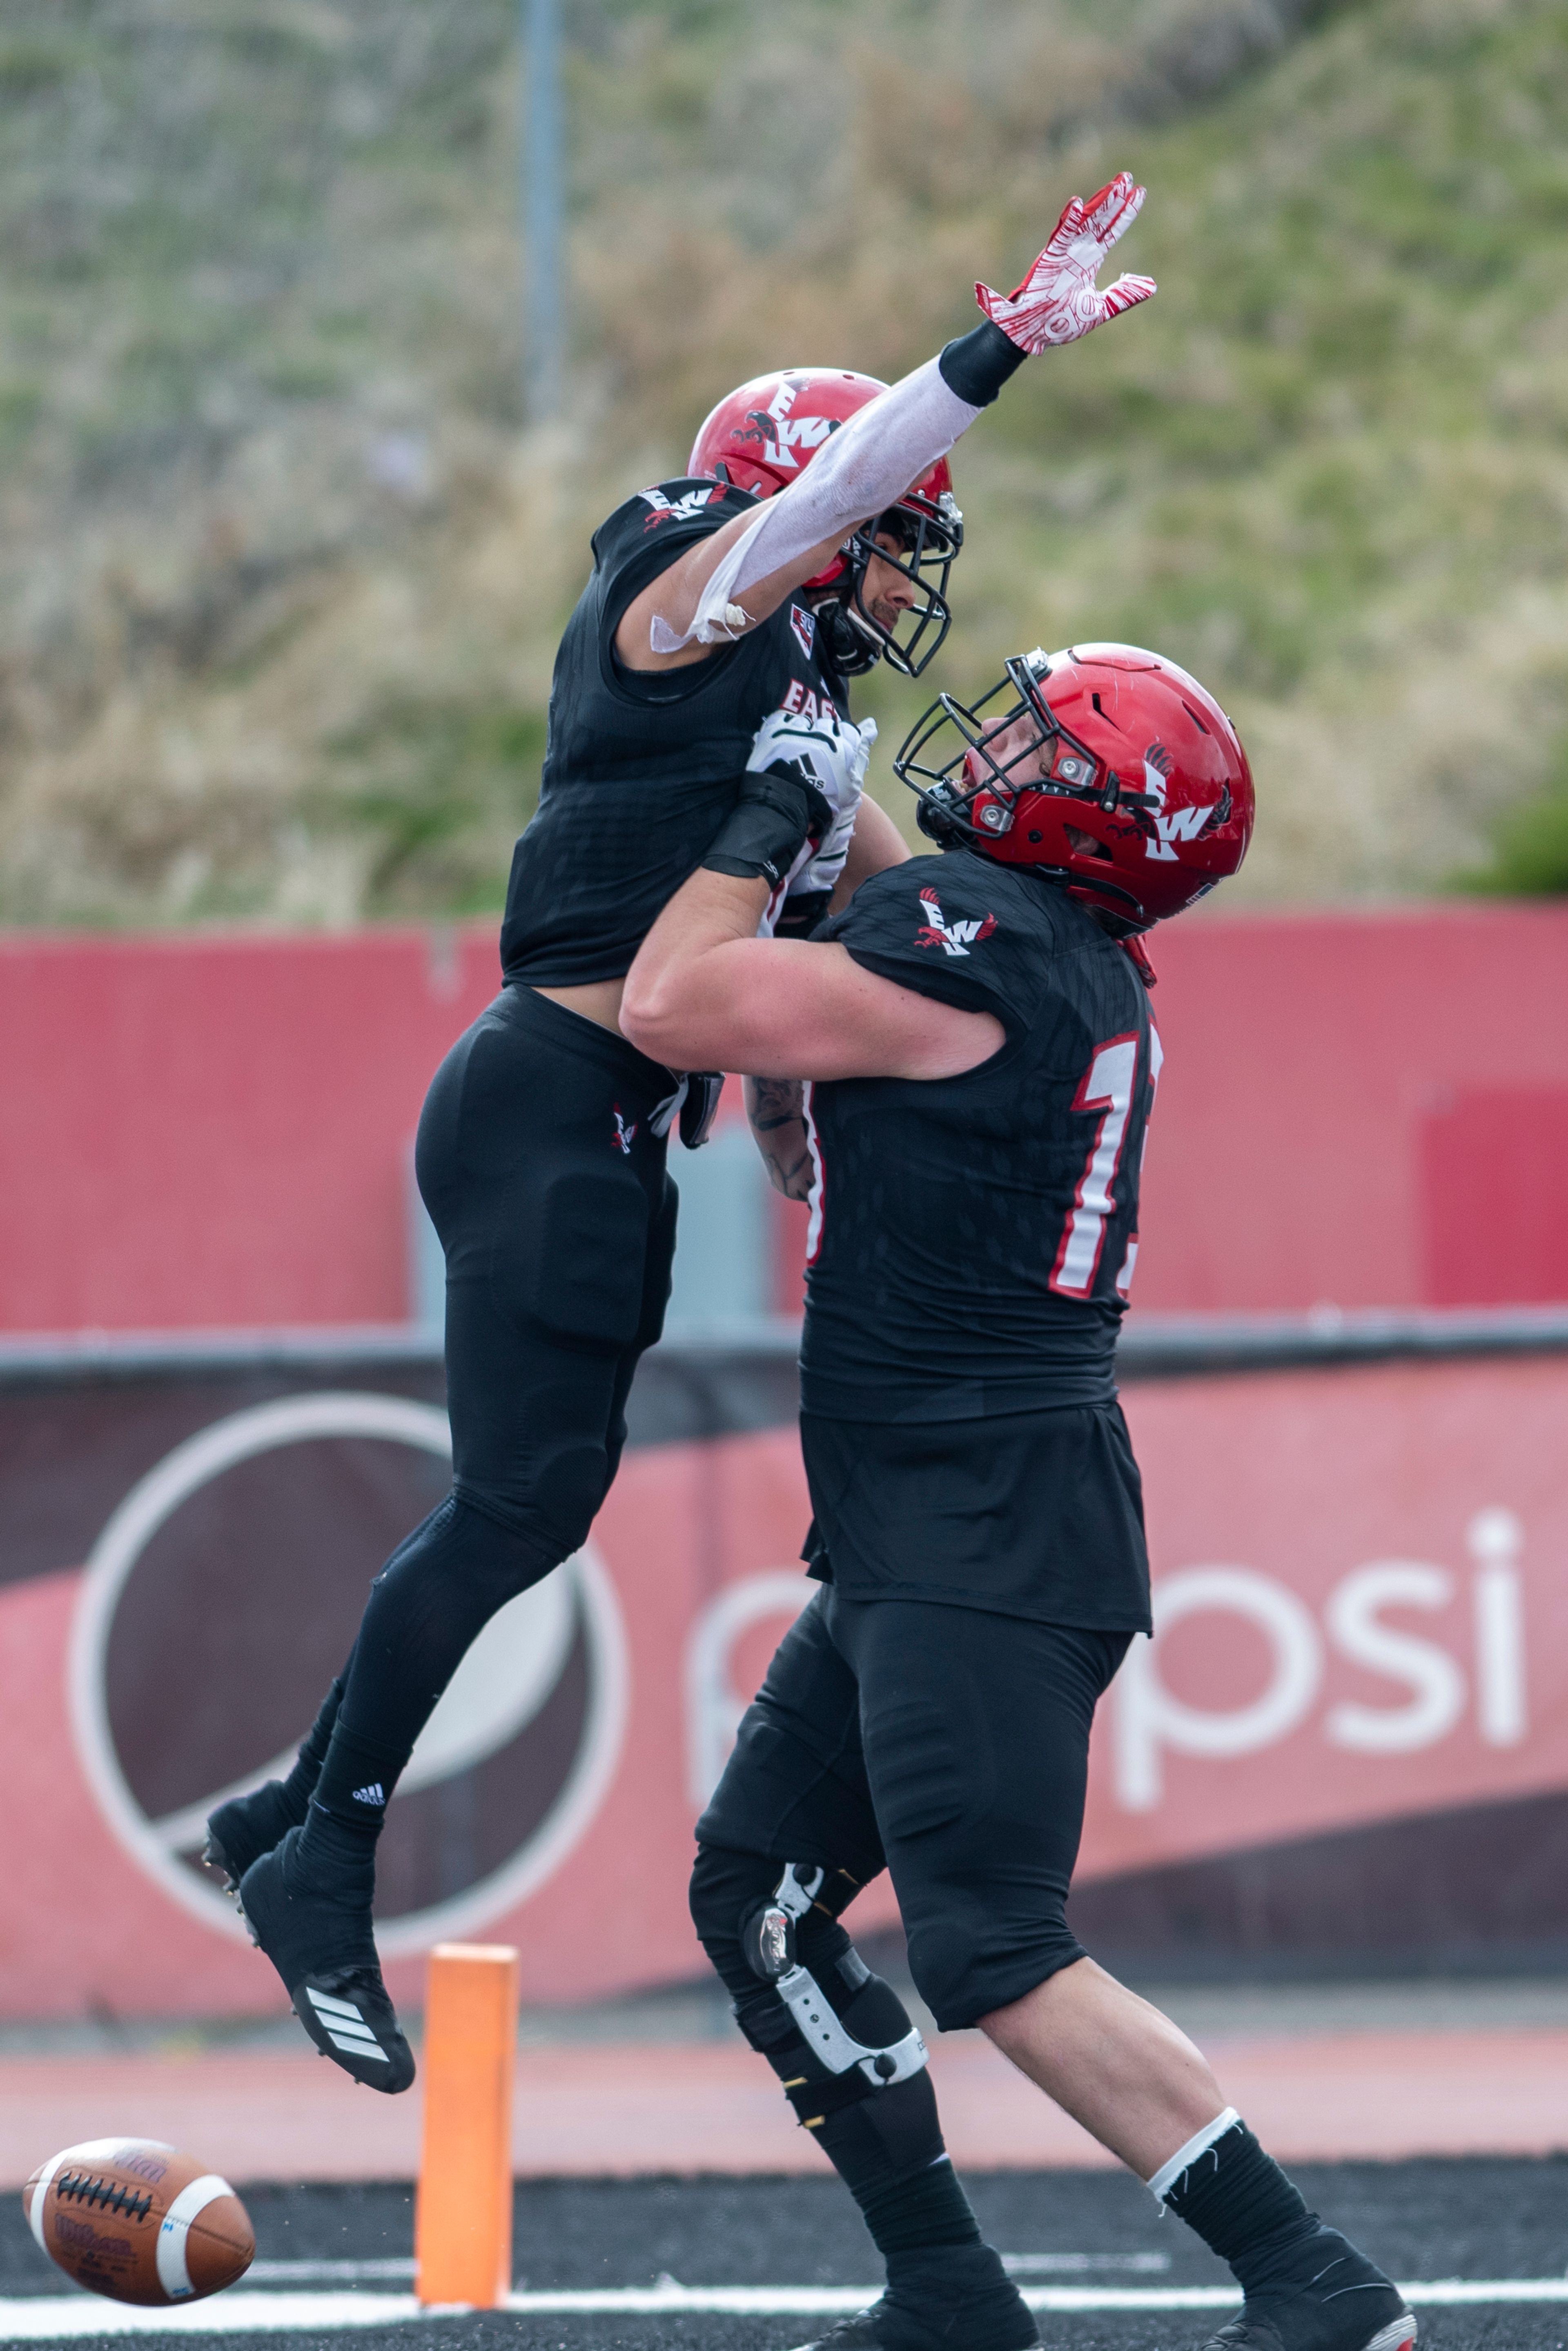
[
  {"x": 861, "y": 470},
  {"x": 651, "y": 532},
  {"x": 933, "y": 930}
]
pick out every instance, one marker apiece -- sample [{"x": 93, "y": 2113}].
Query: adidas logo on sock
[{"x": 371, "y": 1794}]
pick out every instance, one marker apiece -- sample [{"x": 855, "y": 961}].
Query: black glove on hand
[
  {"x": 700, "y": 1107},
  {"x": 778, "y": 810}
]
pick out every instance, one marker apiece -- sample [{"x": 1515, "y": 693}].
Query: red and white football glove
[{"x": 1058, "y": 300}]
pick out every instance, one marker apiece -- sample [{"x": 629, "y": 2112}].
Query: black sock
[
  {"x": 301, "y": 1785},
  {"x": 923, "y": 2210},
  {"x": 336, "y": 1852},
  {"x": 887, "y": 2149},
  {"x": 1237, "y": 2199},
  {"x": 939, "y": 2268}
]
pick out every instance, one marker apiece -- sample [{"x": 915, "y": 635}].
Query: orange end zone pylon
[{"x": 463, "y": 2215}]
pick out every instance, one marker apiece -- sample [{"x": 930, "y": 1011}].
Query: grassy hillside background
[{"x": 281, "y": 572}]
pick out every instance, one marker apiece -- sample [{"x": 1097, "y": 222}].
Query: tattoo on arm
[{"x": 776, "y": 1110}]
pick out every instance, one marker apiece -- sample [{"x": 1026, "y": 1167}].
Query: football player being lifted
[
  {"x": 975, "y": 1030},
  {"x": 699, "y": 707}
]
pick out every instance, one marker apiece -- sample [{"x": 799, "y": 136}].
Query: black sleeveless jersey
[
  {"x": 642, "y": 767},
  {"x": 972, "y": 1238}
]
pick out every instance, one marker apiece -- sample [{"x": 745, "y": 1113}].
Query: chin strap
[{"x": 1137, "y": 954}]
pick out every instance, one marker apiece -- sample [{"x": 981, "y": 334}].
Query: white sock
[{"x": 1165, "y": 2178}]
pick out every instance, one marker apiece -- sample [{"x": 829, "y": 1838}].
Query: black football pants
[
  {"x": 949, "y": 1745},
  {"x": 537, "y": 1161}
]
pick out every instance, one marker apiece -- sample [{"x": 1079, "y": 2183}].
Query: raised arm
[{"x": 725, "y": 583}]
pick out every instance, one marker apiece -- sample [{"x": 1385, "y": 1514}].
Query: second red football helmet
[
  {"x": 1105, "y": 764},
  {"x": 763, "y": 434}
]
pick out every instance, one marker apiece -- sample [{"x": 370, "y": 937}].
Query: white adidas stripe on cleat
[
  {"x": 369, "y": 2049},
  {"x": 355, "y": 2026},
  {"x": 330, "y": 2007}
]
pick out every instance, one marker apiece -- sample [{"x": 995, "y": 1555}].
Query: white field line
[
  {"x": 397, "y": 2265},
  {"x": 56, "y": 2318}
]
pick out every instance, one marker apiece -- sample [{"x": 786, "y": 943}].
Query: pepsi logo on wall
[{"x": 224, "y": 1594}]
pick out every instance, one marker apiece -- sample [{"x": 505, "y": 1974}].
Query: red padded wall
[{"x": 1361, "y": 1108}]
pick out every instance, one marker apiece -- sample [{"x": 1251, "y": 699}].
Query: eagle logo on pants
[{"x": 622, "y": 1139}]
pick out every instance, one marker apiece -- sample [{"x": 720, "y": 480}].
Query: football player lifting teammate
[
  {"x": 976, "y": 1032},
  {"x": 698, "y": 708}
]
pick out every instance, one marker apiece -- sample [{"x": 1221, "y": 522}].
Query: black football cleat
[
  {"x": 888, "y": 2326},
  {"x": 1324, "y": 2296},
  {"x": 244, "y": 1828},
  {"x": 324, "y": 1949},
  {"x": 350, "y": 2017},
  {"x": 954, "y": 2298}
]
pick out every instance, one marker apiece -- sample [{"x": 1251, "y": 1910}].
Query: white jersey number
[{"x": 1107, "y": 1088}]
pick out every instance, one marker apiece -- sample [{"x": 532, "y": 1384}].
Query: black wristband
[
  {"x": 778, "y": 810},
  {"x": 978, "y": 365}
]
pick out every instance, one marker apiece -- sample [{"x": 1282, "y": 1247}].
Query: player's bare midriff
[{"x": 597, "y": 1000}]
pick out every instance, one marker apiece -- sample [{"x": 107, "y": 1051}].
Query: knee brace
[
  {"x": 853, "y": 2066},
  {"x": 851, "y": 2063},
  {"x": 851, "y": 2022}
]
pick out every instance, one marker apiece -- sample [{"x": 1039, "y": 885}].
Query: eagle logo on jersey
[
  {"x": 952, "y": 938},
  {"x": 1181, "y": 824},
  {"x": 684, "y": 510},
  {"x": 622, "y": 1139},
  {"x": 804, "y": 624}
]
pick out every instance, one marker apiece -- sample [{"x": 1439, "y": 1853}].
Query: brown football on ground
[{"x": 139, "y": 2221}]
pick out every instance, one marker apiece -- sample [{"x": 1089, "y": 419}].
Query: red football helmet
[
  {"x": 1107, "y": 765},
  {"x": 761, "y": 437}
]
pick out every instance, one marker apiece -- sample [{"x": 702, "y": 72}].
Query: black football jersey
[
  {"x": 642, "y": 767},
  {"x": 972, "y": 1238}
]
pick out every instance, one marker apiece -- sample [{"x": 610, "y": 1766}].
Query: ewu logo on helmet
[
  {"x": 245, "y": 1552},
  {"x": 780, "y": 436},
  {"x": 1179, "y": 824}
]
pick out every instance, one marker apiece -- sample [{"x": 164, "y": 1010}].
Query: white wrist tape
[
  {"x": 1165, "y": 2178},
  {"x": 860, "y": 471}
]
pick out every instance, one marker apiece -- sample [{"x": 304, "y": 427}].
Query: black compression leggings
[{"x": 538, "y": 1162}]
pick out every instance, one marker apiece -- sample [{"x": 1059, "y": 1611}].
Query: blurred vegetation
[
  {"x": 1528, "y": 843},
  {"x": 281, "y": 572}
]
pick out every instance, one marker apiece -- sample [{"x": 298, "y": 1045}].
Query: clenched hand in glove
[{"x": 836, "y": 758}]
